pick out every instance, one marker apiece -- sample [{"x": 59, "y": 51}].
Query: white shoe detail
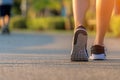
[{"x": 98, "y": 56}]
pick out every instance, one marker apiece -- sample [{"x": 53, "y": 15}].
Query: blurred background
[{"x": 46, "y": 15}]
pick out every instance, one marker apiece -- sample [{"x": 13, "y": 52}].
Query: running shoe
[
  {"x": 5, "y": 30},
  {"x": 79, "y": 47},
  {"x": 98, "y": 52}
]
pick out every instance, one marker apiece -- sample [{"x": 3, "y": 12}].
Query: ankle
[
  {"x": 81, "y": 26},
  {"x": 98, "y": 43}
]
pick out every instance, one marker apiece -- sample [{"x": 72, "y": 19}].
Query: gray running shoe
[{"x": 79, "y": 48}]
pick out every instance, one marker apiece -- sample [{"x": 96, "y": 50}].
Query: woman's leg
[
  {"x": 103, "y": 14},
  {"x": 117, "y": 7},
  {"x": 79, "y": 50},
  {"x": 79, "y": 10}
]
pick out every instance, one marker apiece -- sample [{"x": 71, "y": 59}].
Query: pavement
[{"x": 46, "y": 56}]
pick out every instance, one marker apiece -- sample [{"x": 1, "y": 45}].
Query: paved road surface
[{"x": 47, "y": 57}]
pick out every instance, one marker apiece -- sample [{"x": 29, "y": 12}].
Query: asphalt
[{"x": 46, "y": 56}]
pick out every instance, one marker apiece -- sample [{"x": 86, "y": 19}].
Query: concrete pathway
[{"x": 46, "y": 56}]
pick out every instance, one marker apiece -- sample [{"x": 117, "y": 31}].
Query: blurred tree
[
  {"x": 16, "y": 7},
  {"x": 66, "y": 10},
  {"x": 45, "y": 6},
  {"x": 24, "y": 7}
]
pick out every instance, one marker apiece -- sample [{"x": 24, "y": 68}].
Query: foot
[
  {"x": 98, "y": 52},
  {"x": 5, "y": 30},
  {"x": 79, "y": 51}
]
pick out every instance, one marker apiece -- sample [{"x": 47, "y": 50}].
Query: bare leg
[
  {"x": 103, "y": 13},
  {"x": 5, "y": 23},
  {"x": 117, "y": 7},
  {"x": 6, "y": 20},
  {"x": 2, "y": 21},
  {"x": 79, "y": 9},
  {"x": 79, "y": 51}
]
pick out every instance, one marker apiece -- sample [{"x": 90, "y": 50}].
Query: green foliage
[
  {"x": 16, "y": 7},
  {"x": 90, "y": 20},
  {"x": 90, "y": 15},
  {"x": 49, "y": 23},
  {"x": 18, "y": 22},
  {"x": 42, "y": 4},
  {"x": 115, "y": 25}
]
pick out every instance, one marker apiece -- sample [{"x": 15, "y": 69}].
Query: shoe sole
[
  {"x": 98, "y": 57},
  {"x": 80, "y": 42}
]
